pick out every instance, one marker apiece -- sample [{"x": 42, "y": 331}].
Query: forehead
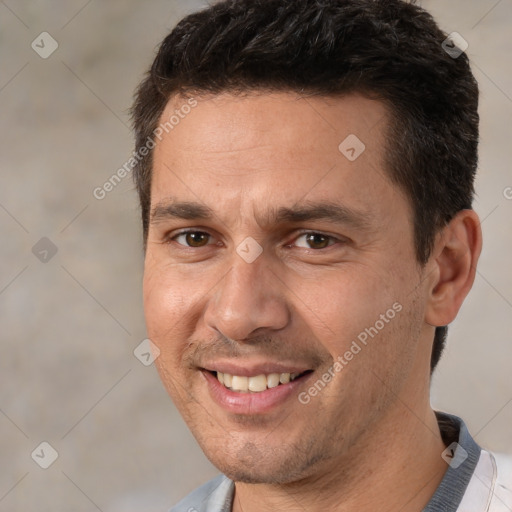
[
  {"x": 226, "y": 122},
  {"x": 277, "y": 148}
]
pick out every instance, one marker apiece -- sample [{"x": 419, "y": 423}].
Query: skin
[{"x": 369, "y": 439}]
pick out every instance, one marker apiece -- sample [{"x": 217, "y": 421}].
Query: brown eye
[
  {"x": 193, "y": 238},
  {"x": 314, "y": 241},
  {"x": 317, "y": 241}
]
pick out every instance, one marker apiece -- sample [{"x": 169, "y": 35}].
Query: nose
[{"x": 248, "y": 298}]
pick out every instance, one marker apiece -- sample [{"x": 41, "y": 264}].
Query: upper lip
[{"x": 253, "y": 369}]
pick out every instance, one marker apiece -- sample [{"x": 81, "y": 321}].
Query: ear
[{"x": 452, "y": 267}]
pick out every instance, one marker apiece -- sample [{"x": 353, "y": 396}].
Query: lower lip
[{"x": 252, "y": 403}]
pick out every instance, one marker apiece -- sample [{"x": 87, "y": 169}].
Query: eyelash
[{"x": 169, "y": 239}]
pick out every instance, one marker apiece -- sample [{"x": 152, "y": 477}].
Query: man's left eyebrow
[{"x": 324, "y": 210}]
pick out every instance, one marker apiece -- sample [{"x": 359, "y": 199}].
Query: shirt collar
[{"x": 461, "y": 455}]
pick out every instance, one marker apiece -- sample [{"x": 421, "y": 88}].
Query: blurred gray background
[{"x": 70, "y": 321}]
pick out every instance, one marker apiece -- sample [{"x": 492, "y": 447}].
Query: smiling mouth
[{"x": 258, "y": 383}]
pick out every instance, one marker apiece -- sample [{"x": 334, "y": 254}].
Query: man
[{"x": 306, "y": 180}]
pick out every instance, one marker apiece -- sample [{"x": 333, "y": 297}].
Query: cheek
[
  {"x": 166, "y": 307},
  {"x": 341, "y": 307}
]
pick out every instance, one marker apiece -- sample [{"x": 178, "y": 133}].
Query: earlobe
[{"x": 455, "y": 257}]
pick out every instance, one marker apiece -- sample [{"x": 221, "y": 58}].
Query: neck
[{"x": 396, "y": 465}]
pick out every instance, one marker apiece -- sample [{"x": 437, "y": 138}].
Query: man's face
[{"x": 297, "y": 254}]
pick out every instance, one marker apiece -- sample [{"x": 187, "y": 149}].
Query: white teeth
[
  {"x": 273, "y": 380},
  {"x": 240, "y": 383},
  {"x": 255, "y": 384},
  {"x": 258, "y": 383}
]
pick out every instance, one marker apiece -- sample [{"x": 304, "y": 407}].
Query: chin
[
  {"x": 253, "y": 465},
  {"x": 257, "y": 476}
]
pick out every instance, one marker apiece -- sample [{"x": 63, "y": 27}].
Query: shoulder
[
  {"x": 502, "y": 491},
  {"x": 213, "y": 496},
  {"x": 490, "y": 487}
]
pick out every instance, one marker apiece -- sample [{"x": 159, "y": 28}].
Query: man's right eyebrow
[{"x": 187, "y": 210}]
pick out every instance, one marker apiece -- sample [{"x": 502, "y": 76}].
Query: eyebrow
[{"x": 307, "y": 211}]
